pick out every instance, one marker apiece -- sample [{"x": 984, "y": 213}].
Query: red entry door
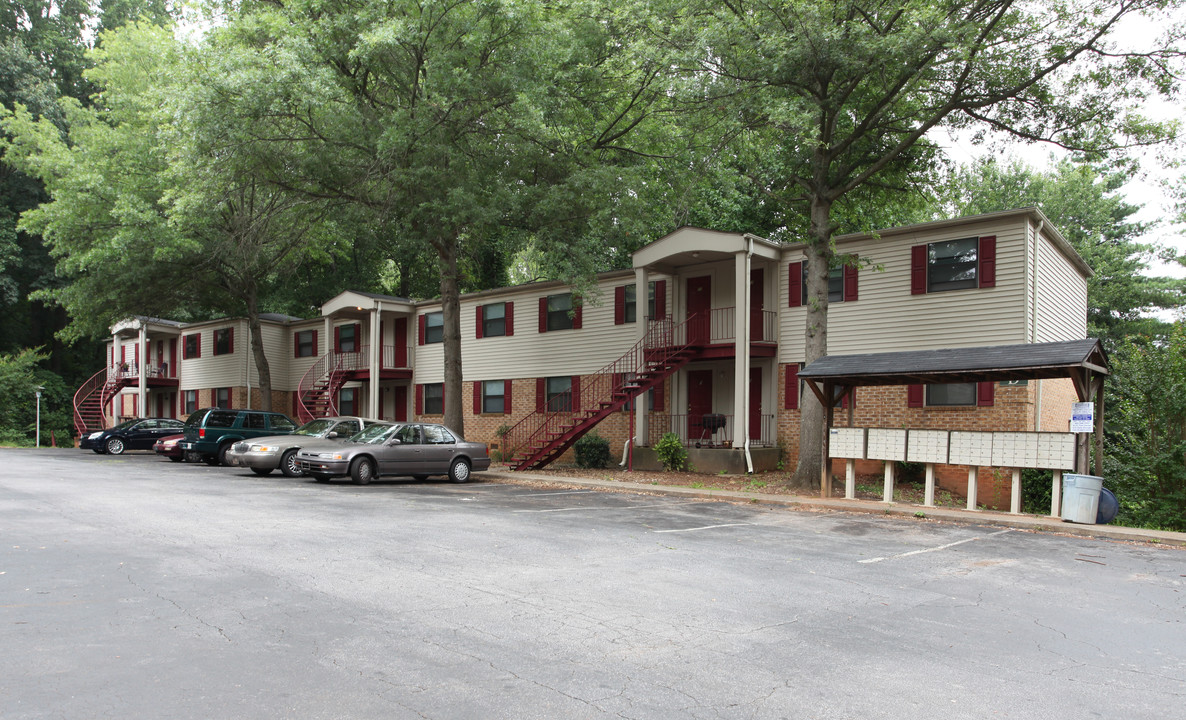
[
  {"x": 757, "y": 291},
  {"x": 755, "y": 403},
  {"x": 401, "y": 403},
  {"x": 699, "y": 403},
  {"x": 699, "y": 293}
]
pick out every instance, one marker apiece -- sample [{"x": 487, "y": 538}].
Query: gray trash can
[{"x": 1081, "y": 498}]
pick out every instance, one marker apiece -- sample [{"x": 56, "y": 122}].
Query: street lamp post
[{"x": 39, "y": 389}]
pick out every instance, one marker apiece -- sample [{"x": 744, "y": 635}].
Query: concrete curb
[{"x": 1036, "y": 523}]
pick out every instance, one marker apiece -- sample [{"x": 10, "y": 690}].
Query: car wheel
[
  {"x": 211, "y": 460},
  {"x": 362, "y": 470},
  {"x": 261, "y": 471},
  {"x": 115, "y": 446},
  {"x": 175, "y": 458},
  {"x": 459, "y": 471},
  {"x": 191, "y": 457},
  {"x": 289, "y": 466},
  {"x": 222, "y": 454}
]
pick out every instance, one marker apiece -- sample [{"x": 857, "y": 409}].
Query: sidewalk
[{"x": 1038, "y": 523}]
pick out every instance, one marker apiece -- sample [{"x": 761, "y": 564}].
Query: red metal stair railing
[
  {"x": 318, "y": 389},
  {"x": 92, "y": 396},
  {"x": 544, "y": 435}
]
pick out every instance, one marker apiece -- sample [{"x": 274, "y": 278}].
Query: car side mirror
[
  {"x": 332, "y": 434},
  {"x": 394, "y": 441}
]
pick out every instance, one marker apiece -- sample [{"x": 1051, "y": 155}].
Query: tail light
[{"x": 201, "y": 433}]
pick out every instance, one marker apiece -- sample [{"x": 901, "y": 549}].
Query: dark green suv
[{"x": 210, "y": 432}]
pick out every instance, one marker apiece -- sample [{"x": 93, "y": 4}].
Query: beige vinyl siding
[
  {"x": 1060, "y": 296},
  {"x": 210, "y": 370},
  {"x": 277, "y": 348},
  {"x": 297, "y": 367},
  {"x": 887, "y": 318},
  {"x": 529, "y": 353}
]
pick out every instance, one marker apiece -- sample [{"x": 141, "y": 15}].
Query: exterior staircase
[
  {"x": 318, "y": 390},
  {"x": 92, "y": 397},
  {"x": 543, "y": 436}
]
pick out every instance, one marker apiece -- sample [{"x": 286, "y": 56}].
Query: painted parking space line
[
  {"x": 934, "y": 549},
  {"x": 704, "y": 527},
  {"x": 566, "y": 492},
  {"x": 592, "y": 509}
]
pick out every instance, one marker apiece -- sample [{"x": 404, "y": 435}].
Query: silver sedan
[
  {"x": 265, "y": 454},
  {"x": 411, "y": 449}
]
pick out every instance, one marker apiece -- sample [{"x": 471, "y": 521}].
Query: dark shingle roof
[{"x": 1030, "y": 361}]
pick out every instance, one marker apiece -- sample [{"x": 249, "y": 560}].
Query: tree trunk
[
  {"x": 257, "y": 351},
  {"x": 811, "y": 412},
  {"x": 451, "y": 319}
]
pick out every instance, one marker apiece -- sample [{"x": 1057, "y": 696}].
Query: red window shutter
[
  {"x": 510, "y": 313},
  {"x": 794, "y": 285},
  {"x": 477, "y": 397},
  {"x": 231, "y": 340},
  {"x": 401, "y": 342},
  {"x": 296, "y": 344},
  {"x": 480, "y": 317},
  {"x": 419, "y": 399},
  {"x": 506, "y": 396},
  {"x": 660, "y": 396},
  {"x": 314, "y": 343},
  {"x": 918, "y": 271},
  {"x": 660, "y": 299},
  {"x": 987, "y": 272},
  {"x": 576, "y": 393},
  {"x": 915, "y": 396},
  {"x": 576, "y": 318},
  {"x": 541, "y": 394},
  {"x": 337, "y": 339},
  {"x": 620, "y": 305},
  {"x": 850, "y": 284},
  {"x": 790, "y": 395},
  {"x": 543, "y": 314},
  {"x": 123, "y": 353},
  {"x": 198, "y": 349},
  {"x": 423, "y": 321},
  {"x": 985, "y": 394},
  {"x": 358, "y": 337}
]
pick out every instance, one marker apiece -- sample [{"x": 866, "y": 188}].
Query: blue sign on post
[{"x": 1082, "y": 417}]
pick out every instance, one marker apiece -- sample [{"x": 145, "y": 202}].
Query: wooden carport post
[{"x": 825, "y": 479}]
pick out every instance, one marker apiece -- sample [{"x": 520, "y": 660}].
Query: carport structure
[{"x": 1083, "y": 361}]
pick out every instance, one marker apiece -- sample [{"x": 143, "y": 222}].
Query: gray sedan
[
  {"x": 415, "y": 449},
  {"x": 265, "y": 454}
]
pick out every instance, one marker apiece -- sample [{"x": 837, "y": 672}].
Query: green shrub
[
  {"x": 592, "y": 451},
  {"x": 671, "y": 452}
]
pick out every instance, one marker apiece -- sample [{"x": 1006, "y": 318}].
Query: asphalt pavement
[{"x": 131, "y": 587}]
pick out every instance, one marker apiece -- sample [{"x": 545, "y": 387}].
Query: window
[
  {"x": 434, "y": 327},
  {"x": 556, "y": 312},
  {"x": 192, "y": 346},
  {"x": 346, "y": 401},
  {"x": 224, "y": 341},
  {"x": 492, "y": 320},
  {"x": 255, "y": 421},
  {"x": 279, "y": 422},
  {"x": 305, "y": 344},
  {"x": 951, "y": 394},
  {"x": 437, "y": 435},
  {"x": 629, "y": 305},
  {"x": 835, "y": 285},
  {"x": 558, "y": 394},
  {"x": 434, "y": 398},
  {"x": 953, "y": 265},
  {"x": 222, "y": 397},
  {"x": 191, "y": 401},
  {"x": 408, "y": 435},
  {"x": 218, "y": 419},
  {"x": 347, "y": 338},
  {"x": 626, "y": 302},
  {"x": 842, "y": 284},
  {"x": 494, "y": 397}
]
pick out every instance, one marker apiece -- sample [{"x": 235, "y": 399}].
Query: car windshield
[
  {"x": 374, "y": 434},
  {"x": 125, "y": 424},
  {"x": 315, "y": 428}
]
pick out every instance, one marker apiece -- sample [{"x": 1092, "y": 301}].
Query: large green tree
[{"x": 839, "y": 92}]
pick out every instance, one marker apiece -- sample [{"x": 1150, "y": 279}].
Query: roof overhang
[
  {"x": 353, "y": 304},
  {"x": 696, "y": 246}
]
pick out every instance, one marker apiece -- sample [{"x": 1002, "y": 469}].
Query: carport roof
[{"x": 1029, "y": 361}]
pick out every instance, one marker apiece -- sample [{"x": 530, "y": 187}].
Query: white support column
[
  {"x": 1015, "y": 500},
  {"x": 741, "y": 265},
  {"x": 641, "y": 312},
  {"x": 929, "y": 499},
  {"x": 850, "y": 479},
  {"x": 376, "y": 354},
  {"x": 1056, "y": 493},
  {"x": 973, "y": 475},
  {"x": 141, "y": 358},
  {"x": 887, "y": 493},
  {"x": 113, "y": 373}
]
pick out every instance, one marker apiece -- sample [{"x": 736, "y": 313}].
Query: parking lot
[{"x": 131, "y": 587}]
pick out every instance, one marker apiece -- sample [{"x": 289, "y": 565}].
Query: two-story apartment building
[{"x": 707, "y": 326}]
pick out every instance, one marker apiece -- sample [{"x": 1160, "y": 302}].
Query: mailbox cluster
[{"x": 1015, "y": 450}]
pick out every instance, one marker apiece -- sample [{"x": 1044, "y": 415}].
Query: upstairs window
[
  {"x": 842, "y": 284},
  {"x": 347, "y": 338},
  {"x": 224, "y": 341},
  {"x": 558, "y": 312},
  {"x": 495, "y": 320},
  {"x": 191, "y": 346},
  {"x": 305, "y": 343},
  {"x": 626, "y": 301},
  {"x": 953, "y": 265},
  {"x": 434, "y": 327}
]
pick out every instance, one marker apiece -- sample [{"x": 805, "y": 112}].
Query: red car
[{"x": 170, "y": 447}]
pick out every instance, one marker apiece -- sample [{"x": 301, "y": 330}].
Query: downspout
[
  {"x": 749, "y": 461},
  {"x": 1034, "y": 327},
  {"x": 247, "y": 365}
]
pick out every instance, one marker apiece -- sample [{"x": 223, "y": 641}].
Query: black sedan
[
  {"x": 135, "y": 434},
  {"x": 415, "y": 449}
]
